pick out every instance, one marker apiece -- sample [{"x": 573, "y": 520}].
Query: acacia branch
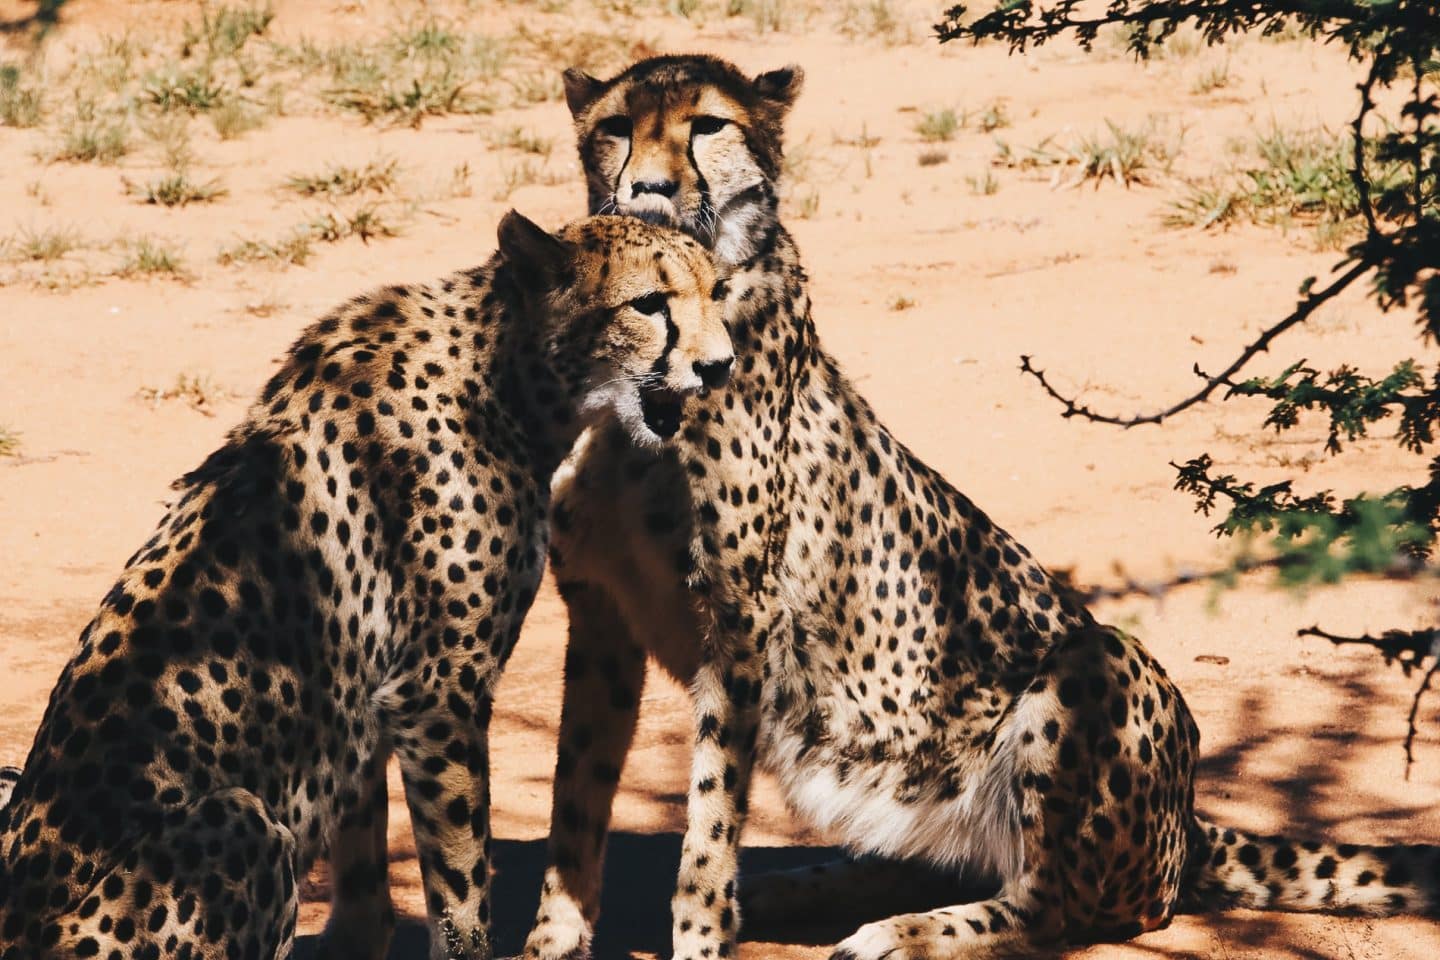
[
  {"x": 1357, "y": 166},
  {"x": 1303, "y": 311},
  {"x": 1216, "y": 17}
]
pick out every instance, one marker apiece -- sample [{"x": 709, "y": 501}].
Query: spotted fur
[
  {"x": 921, "y": 686},
  {"x": 343, "y": 579}
]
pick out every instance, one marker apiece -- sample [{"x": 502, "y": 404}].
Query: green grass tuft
[
  {"x": 377, "y": 176},
  {"x": 21, "y": 104},
  {"x": 149, "y": 257},
  {"x": 176, "y": 189},
  {"x": 93, "y": 141},
  {"x": 44, "y": 244},
  {"x": 1287, "y": 177},
  {"x": 293, "y": 249},
  {"x": 937, "y": 126}
]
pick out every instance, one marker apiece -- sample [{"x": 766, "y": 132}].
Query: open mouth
[{"x": 661, "y": 409}]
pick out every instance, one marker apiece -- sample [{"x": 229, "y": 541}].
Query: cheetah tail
[
  {"x": 9, "y": 776},
  {"x": 1230, "y": 869}
]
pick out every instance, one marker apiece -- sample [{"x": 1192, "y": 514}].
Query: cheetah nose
[
  {"x": 665, "y": 188},
  {"x": 715, "y": 373}
]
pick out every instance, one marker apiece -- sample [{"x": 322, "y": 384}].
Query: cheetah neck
[{"x": 529, "y": 390}]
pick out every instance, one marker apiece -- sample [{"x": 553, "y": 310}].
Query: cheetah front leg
[
  {"x": 362, "y": 918},
  {"x": 445, "y": 764},
  {"x": 604, "y": 677},
  {"x": 726, "y": 692}
]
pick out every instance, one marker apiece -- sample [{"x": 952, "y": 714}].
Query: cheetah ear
[
  {"x": 782, "y": 86},
  {"x": 538, "y": 260},
  {"x": 581, "y": 90}
]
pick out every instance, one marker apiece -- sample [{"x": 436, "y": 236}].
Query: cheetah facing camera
[
  {"x": 921, "y": 686},
  {"x": 344, "y": 578}
]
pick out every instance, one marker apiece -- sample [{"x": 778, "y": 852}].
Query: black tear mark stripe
[
  {"x": 701, "y": 185},
  {"x": 624, "y": 164},
  {"x": 672, "y": 337}
]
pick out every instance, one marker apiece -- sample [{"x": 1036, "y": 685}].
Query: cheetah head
[
  {"x": 632, "y": 325},
  {"x": 689, "y": 141}
]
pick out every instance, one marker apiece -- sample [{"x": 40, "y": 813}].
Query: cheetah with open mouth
[{"x": 343, "y": 579}]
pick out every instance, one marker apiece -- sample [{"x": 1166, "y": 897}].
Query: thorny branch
[
  {"x": 1391, "y": 536},
  {"x": 1303, "y": 311}
]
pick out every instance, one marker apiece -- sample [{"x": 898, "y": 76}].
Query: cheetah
[
  {"x": 922, "y": 687},
  {"x": 344, "y": 578}
]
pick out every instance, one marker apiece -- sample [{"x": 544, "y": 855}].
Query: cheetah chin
[{"x": 651, "y": 208}]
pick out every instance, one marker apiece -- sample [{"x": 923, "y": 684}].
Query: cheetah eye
[
  {"x": 617, "y": 127},
  {"x": 705, "y": 125},
  {"x": 652, "y": 304}
]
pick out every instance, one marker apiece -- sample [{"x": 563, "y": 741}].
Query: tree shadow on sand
[
  {"x": 640, "y": 869},
  {"x": 640, "y": 874}
]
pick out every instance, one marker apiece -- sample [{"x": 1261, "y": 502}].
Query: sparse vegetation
[
  {"x": 294, "y": 249},
  {"x": 871, "y": 20},
  {"x": 426, "y": 69},
  {"x": 235, "y": 117},
  {"x": 149, "y": 257},
  {"x": 864, "y": 140},
  {"x": 43, "y": 244},
  {"x": 367, "y": 223},
  {"x": 932, "y": 157},
  {"x": 177, "y": 189},
  {"x": 769, "y": 16},
  {"x": 198, "y": 391},
  {"x": 984, "y": 185},
  {"x": 993, "y": 117},
  {"x": 22, "y": 104},
  {"x": 9, "y": 442},
  {"x": 939, "y": 125},
  {"x": 170, "y": 135},
  {"x": 193, "y": 90},
  {"x": 376, "y": 176},
  {"x": 459, "y": 185},
  {"x": 536, "y": 86},
  {"x": 807, "y": 204},
  {"x": 518, "y": 138},
  {"x": 265, "y": 306},
  {"x": 526, "y": 173},
  {"x": 92, "y": 141},
  {"x": 225, "y": 29},
  {"x": 1123, "y": 154},
  {"x": 1216, "y": 78},
  {"x": 1289, "y": 177},
  {"x": 901, "y": 302}
]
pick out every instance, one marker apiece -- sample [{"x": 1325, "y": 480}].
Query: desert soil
[{"x": 928, "y": 285}]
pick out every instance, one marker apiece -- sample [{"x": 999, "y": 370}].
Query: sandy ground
[{"x": 1299, "y": 737}]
